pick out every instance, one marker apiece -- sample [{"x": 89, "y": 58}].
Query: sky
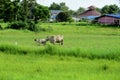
[{"x": 75, "y": 4}]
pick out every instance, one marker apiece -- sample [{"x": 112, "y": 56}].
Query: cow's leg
[{"x": 61, "y": 42}]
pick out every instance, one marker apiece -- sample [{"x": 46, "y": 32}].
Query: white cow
[
  {"x": 55, "y": 39},
  {"x": 41, "y": 41}
]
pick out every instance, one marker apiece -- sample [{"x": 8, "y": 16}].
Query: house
[
  {"x": 53, "y": 14},
  {"x": 90, "y": 14},
  {"x": 109, "y": 19}
]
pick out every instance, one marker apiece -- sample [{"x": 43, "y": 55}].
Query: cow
[
  {"x": 55, "y": 39},
  {"x": 41, "y": 41}
]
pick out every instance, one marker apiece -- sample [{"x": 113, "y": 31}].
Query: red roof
[{"x": 90, "y": 12}]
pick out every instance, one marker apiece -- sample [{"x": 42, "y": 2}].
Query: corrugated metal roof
[
  {"x": 113, "y": 15},
  {"x": 90, "y": 17},
  {"x": 110, "y": 15}
]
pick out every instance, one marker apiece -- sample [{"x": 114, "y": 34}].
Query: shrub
[
  {"x": 32, "y": 26},
  {"x": 63, "y": 17},
  {"x": 18, "y": 25}
]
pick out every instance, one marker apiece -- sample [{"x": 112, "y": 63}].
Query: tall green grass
[
  {"x": 60, "y": 51},
  {"x": 25, "y": 67}
]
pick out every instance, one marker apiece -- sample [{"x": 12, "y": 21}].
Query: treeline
[
  {"x": 23, "y": 14},
  {"x": 15, "y": 10}
]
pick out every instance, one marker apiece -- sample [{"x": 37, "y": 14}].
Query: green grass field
[
  {"x": 26, "y": 67},
  {"x": 88, "y": 53}
]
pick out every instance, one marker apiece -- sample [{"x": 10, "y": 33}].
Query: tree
[
  {"x": 6, "y": 9},
  {"x": 97, "y": 9},
  {"x": 79, "y": 11},
  {"x": 31, "y": 6},
  {"x": 105, "y": 9},
  {"x": 54, "y": 6},
  {"x": 41, "y": 12},
  {"x": 63, "y": 17},
  {"x": 24, "y": 10},
  {"x": 71, "y": 12},
  {"x": 113, "y": 9},
  {"x": 110, "y": 9},
  {"x": 2, "y": 5},
  {"x": 16, "y": 9},
  {"x": 63, "y": 7},
  {"x": 11, "y": 10}
]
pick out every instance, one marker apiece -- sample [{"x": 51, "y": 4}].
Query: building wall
[{"x": 107, "y": 20}]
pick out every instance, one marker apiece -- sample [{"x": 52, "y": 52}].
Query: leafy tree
[
  {"x": 80, "y": 10},
  {"x": 63, "y": 17},
  {"x": 98, "y": 9},
  {"x": 24, "y": 10},
  {"x": 71, "y": 12},
  {"x": 110, "y": 9},
  {"x": 16, "y": 9},
  {"x": 31, "y": 6},
  {"x": 63, "y": 7},
  {"x": 10, "y": 11},
  {"x": 105, "y": 9},
  {"x": 41, "y": 12},
  {"x": 113, "y": 9},
  {"x": 31, "y": 10},
  {"x": 6, "y": 9},
  {"x": 2, "y": 3},
  {"x": 54, "y": 6}
]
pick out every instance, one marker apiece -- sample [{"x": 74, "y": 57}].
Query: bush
[
  {"x": 24, "y": 25},
  {"x": 32, "y": 26},
  {"x": 18, "y": 25}
]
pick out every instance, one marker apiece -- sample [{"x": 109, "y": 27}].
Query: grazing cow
[
  {"x": 55, "y": 39},
  {"x": 41, "y": 41}
]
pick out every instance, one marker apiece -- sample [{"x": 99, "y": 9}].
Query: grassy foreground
[{"x": 29, "y": 67}]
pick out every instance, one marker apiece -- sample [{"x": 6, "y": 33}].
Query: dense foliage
[
  {"x": 62, "y": 6},
  {"x": 110, "y": 9},
  {"x": 63, "y": 17},
  {"x": 16, "y": 10}
]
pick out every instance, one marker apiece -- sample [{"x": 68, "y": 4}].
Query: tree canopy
[
  {"x": 110, "y": 9},
  {"x": 62, "y": 6},
  {"x": 80, "y": 10},
  {"x": 63, "y": 17},
  {"x": 14, "y": 10}
]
